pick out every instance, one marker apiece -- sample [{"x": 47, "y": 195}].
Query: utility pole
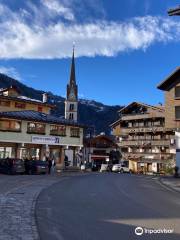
[{"x": 174, "y": 11}]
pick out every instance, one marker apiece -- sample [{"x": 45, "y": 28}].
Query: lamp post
[{"x": 174, "y": 11}]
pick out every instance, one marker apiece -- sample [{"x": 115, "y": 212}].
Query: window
[
  {"x": 58, "y": 130},
  {"x": 20, "y": 105},
  {"x": 157, "y": 123},
  {"x": 71, "y": 107},
  {"x": 177, "y": 112},
  {"x": 71, "y": 116},
  {"x": 129, "y": 124},
  {"x": 4, "y": 103},
  {"x": 40, "y": 109},
  {"x": 177, "y": 92},
  {"x": 141, "y": 124},
  {"x": 7, "y": 152},
  {"x": 10, "y": 125},
  {"x": 75, "y": 132},
  {"x": 38, "y": 128}
]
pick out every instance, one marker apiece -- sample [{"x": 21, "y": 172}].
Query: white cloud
[
  {"x": 57, "y": 8},
  {"x": 23, "y": 39},
  {"x": 10, "y": 71}
]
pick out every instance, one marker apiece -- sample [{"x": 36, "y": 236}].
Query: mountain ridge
[{"x": 91, "y": 113}]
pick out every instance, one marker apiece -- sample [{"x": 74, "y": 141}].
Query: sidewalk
[
  {"x": 171, "y": 183},
  {"x": 18, "y": 196}
]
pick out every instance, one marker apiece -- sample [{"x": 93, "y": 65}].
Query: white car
[
  {"x": 120, "y": 168},
  {"x": 104, "y": 167}
]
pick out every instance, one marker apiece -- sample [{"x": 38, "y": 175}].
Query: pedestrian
[
  {"x": 53, "y": 164},
  {"x": 26, "y": 165},
  {"x": 66, "y": 163},
  {"x": 49, "y": 165}
]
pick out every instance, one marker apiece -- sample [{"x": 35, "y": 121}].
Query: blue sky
[{"x": 124, "y": 48}]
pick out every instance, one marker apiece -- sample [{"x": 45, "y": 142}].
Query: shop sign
[{"x": 45, "y": 140}]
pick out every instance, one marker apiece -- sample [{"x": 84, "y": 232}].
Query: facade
[
  {"x": 98, "y": 149},
  {"x": 171, "y": 87},
  {"x": 71, "y": 103},
  {"x": 30, "y": 134},
  {"x": 28, "y": 130},
  {"x": 143, "y": 138},
  {"x": 11, "y": 99}
]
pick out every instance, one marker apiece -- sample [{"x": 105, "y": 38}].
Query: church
[{"x": 29, "y": 130}]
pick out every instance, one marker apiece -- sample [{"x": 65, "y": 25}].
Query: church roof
[{"x": 72, "y": 74}]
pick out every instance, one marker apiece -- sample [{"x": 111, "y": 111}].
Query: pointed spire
[{"x": 73, "y": 74}]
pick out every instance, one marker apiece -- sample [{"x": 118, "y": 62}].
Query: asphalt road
[{"x": 107, "y": 207}]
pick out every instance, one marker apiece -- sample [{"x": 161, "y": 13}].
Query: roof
[
  {"x": 115, "y": 123},
  {"x": 170, "y": 81},
  {"x": 174, "y": 11},
  {"x": 143, "y": 104},
  {"x": 72, "y": 74},
  {"x": 28, "y": 100},
  {"x": 159, "y": 108},
  {"x": 110, "y": 139},
  {"x": 38, "y": 117},
  {"x": 11, "y": 87}
]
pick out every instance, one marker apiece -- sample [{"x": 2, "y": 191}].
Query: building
[
  {"x": 98, "y": 149},
  {"x": 28, "y": 130},
  {"x": 171, "y": 87},
  {"x": 71, "y": 103},
  {"x": 31, "y": 134},
  {"x": 174, "y": 11},
  {"x": 143, "y": 138},
  {"x": 11, "y": 99}
]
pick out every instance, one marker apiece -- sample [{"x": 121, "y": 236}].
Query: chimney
[{"x": 45, "y": 97}]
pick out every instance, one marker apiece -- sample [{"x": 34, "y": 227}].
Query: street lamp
[{"x": 174, "y": 11}]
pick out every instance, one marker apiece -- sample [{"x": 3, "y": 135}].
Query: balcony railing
[
  {"x": 145, "y": 143},
  {"x": 156, "y": 156},
  {"x": 142, "y": 129},
  {"x": 141, "y": 116}
]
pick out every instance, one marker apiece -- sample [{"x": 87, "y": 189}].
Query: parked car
[
  {"x": 120, "y": 168},
  {"x": 37, "y": 167},
  {"x": 104, "y": 168},
  {"x": 12, "y": 166}
]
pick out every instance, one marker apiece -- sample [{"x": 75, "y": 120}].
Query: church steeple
[
  {"x": 71, "y": 103},
  {"x": 73, "y": 74},
  {"x": 72, "y": 89}
]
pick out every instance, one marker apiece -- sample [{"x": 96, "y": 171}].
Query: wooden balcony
[
  {"x": 141, "y": 116},
  {"x": 156, "y": 156},
  {"x": 126, "y": 131},
  {"x": 144, "y": 143}
]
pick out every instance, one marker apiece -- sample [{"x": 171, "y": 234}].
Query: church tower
[{"x": 71, "y": 102}]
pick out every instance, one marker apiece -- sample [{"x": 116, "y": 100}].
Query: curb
[{"x": 167, "y": 186}]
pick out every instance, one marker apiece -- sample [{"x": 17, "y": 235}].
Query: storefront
[{"x": 43, "y": 137}]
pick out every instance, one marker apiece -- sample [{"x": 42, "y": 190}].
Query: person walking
[
  {"x": 49, "y": 165},
  {"x": 53, "y": 164}
]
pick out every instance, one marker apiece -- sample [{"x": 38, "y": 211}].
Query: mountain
[{"x": 91, "y": 113}]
